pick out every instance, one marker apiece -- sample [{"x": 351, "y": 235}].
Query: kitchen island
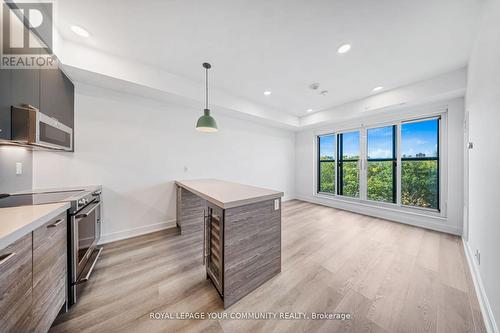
[{"x": 240, "y": 227}]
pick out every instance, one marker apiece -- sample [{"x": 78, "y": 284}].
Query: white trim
[
  {"x": 138, "y": 231},
  {"x": 436, "y": 223},
  {"x": 488, "y": 317}
]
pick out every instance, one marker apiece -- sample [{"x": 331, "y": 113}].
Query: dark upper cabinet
[
  {"x": 57, "y": 96},
  {"x": 25, "y": 85},
  {"x": 5, "y": 93},
  {"x": 18, "y": 87}
]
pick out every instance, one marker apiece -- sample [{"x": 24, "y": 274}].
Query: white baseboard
[
  {"x": 133, "y": 232},
  {"x": 437, "y": 224},
  {"x": 488, "y": 317},
  {"x": 288, "y": 198}
]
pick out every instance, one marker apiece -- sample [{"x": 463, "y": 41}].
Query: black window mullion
[
  {"x": 340, "y": 183},
  {"x": 438, "y": 165},
  {"x": 394, "y": 165},
  {"x": 319, "y": 165}
]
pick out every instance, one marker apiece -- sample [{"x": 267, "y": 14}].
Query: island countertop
[
  {"x": 16, "y": 222},
  {"x": 228, "y": 194}
]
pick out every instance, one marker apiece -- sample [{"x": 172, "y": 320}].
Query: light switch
[
  {"x": 19, "y": 168},
  {"x": 276, "y": 204}
]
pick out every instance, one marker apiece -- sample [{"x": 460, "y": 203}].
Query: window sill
[{"x": 385, "y": 206}]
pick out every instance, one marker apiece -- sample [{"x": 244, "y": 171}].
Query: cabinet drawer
[
  {"x": 49, "y": 272},
  {"x": 15, "y": 286}
]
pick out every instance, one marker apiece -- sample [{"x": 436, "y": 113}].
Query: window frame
[
  {"x": 437, "y": 159},
  {"x": 389, "y": 120},
  {"x": 394, "y": 160},
  {"x": 319, "y": 161},
  {"x": 341, "y": 161}
]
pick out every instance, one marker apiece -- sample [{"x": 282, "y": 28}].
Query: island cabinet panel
[
  {"x": 49, "y": 272},
  {"x": 190, "y": 212},
  {"x": 252, "y": 248},
  {"x": 16, "y": 286}
]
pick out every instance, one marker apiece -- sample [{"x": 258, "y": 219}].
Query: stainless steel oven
[
  {"x": 33, "y": 128},
  {"x": 84, "y": 234}
]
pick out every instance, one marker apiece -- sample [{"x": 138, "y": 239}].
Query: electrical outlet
[
  {"x": 478, "y": 257},
  {"x": 19, "y": 168}
]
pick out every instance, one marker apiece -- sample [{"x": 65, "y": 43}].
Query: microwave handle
[{"x": 86, "y": 214}]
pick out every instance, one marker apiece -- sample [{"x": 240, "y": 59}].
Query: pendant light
[{"x": 206, "y": 123}]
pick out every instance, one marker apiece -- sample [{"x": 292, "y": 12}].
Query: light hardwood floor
[{"x": 391, "y": 277}]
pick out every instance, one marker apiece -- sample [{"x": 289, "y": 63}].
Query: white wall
[
  {"x": 10, "y": 181},
  {"x": 483, "y": 105},
  {"x": 137, "y": 147},
  {"x": 305, "y": 182}
]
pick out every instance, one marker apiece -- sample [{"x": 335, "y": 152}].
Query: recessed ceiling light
[
  {"x": 377, "y": 88},
  {"x": 344, "y": 48},
  {"x": 80, "y": 31},
  {"x": 309, "y": 110},
  {"x": 267, "y": 93}
]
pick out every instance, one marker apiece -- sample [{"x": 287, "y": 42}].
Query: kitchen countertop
[
  {"x": 228, "y": 194},
  {"x": 60, "y": 189},
  {"x": 16, "y": 222}
]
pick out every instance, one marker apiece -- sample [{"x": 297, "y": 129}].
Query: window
[
  {"x": 402, "y": 163},
  {"x": 420, "y": 163},
  {"x": 326, "y": 164},
  {"x": 381, "y": 160},
  {"x": 348, "y": 166}
]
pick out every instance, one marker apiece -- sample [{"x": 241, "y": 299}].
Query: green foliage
[
  {"x": 380, "y": 181},
  {"x": 350, "y": 172},
  {"x": 419, "y": 184},
  {"x": 327, "y": 177},
  {"x": 419, "y": 181}
]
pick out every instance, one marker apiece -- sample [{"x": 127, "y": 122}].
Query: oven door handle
[
  {"x": 87, "y": 213},
  {"x": 87, "y": 277}
]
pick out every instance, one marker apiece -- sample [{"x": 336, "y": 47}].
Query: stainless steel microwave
[{"x": 33, "y": 128}]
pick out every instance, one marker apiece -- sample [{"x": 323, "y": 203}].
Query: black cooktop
[{"x": 30, "y": 199}]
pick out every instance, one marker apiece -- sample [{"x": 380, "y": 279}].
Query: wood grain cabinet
[
  {"x": 33, "y": 277},
  {"x": 16, "y": 286},
  {"x": 49, "y": 272}
]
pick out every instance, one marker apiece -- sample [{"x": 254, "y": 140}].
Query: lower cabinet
[
  {"x": 16, "y": 286},
  {"x": 33, "y": 277},
  {"x": 49, "y": 272}
]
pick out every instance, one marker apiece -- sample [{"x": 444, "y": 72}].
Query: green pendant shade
[{"x": 206, "y": 123}]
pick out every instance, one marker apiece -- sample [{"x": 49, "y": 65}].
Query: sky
[
  {"x": 416, "y": 137},
  {"x": 380, "y": 142},
  {"x": 420, "y": 137}
]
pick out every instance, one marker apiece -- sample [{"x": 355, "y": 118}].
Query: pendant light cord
[{"x": 206, "y": 88}]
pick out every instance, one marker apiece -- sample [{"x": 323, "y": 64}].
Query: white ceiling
[{"x": 283, "y": 45}]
